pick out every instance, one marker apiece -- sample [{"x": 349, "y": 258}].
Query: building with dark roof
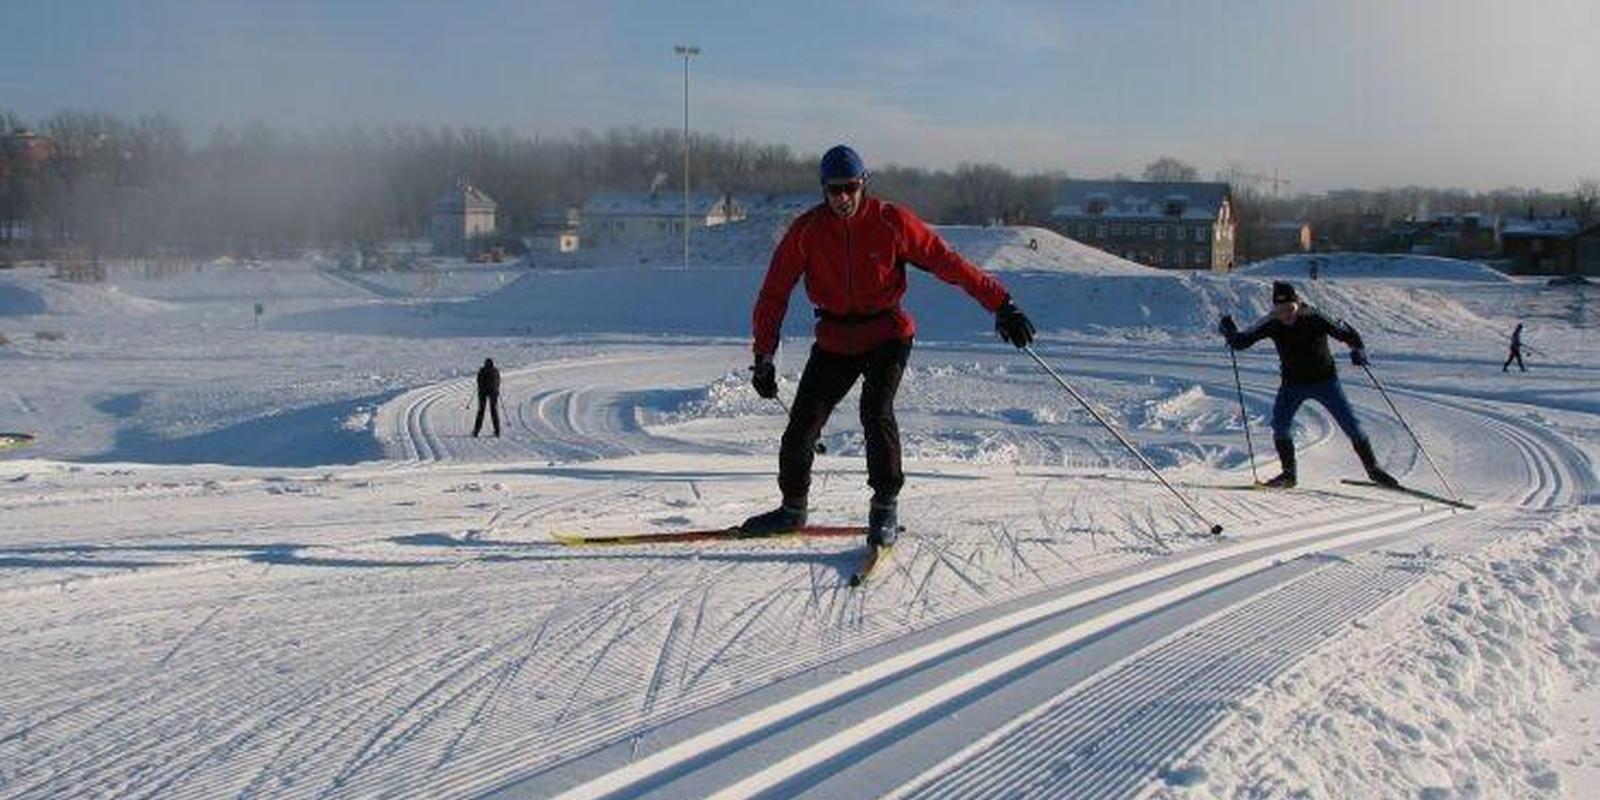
[
  {"x": 1540, "y": 245},
  {"x": 1160, "y": 224}
]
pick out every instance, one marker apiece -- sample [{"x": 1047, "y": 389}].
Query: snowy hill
[
  {"x": 749, "y": 244},
  {"x": 31, "y": 293},
  {"x": 1374, "y": 265}
]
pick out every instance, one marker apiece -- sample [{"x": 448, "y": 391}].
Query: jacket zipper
[{"x": 849, "y": 271}]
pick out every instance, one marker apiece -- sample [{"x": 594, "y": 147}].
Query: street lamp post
[{"x": 688, "y": 52}]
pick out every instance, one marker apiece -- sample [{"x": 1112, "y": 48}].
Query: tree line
[
  {"x": 132, "y": 187},
  {"x": 140, "y": 186}
]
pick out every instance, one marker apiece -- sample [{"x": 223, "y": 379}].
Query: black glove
[
  {"x": 1358, "y": 356},
  {"x": 1013, "y": 325},
  {"x": 764, "y": 376},
  {"x": 1227, "y": 328}
]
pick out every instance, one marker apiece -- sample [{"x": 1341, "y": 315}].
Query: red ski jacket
[{"x": 855, "y": 276}]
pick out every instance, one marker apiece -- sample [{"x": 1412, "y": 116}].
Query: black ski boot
[
  {"x": 782, "y": 519},
  {"x": 1285, "y": 479},
  {"x": 883, "y": 523},
  {"x": 1375, "y": 473}
]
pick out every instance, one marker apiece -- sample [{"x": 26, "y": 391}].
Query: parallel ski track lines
[
  {"x": 1109, "y": 736},
  {"x": 676, "y": 756}
]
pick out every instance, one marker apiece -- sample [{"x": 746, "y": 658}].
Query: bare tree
[
  {"x": 1169, "y": 169},
  {"x": 1586, "y": 196}
]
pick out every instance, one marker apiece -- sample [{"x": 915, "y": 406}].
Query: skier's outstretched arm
[
  {"x": 928, "y": 251},
  {"x": 1342, "y": 331},
  {"x": 1242, "y": 340}
]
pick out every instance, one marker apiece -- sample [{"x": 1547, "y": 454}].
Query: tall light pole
[{"x": 688, "y": 52}]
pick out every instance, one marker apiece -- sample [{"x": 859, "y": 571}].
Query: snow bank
[
  {"x": 34, "y": 294},
  {"x": 1449, "y": 695},
  {"x": 1373, "y": 265},
  {"x": 749, "y": 244}
]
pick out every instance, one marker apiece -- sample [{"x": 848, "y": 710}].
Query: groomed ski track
[
  {"x": 1023, "y": 642},
  {"x": 1135, "y": 666}
]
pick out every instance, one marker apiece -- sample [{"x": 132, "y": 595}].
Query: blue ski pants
[{"x": 1329, "y": 393}]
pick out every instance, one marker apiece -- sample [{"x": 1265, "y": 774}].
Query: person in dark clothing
[
  {"x": 852, "y": 251},
  {"x": 1305, "y": 367},
  {"x": 1516, "y": 351},
  {"x": 488, "y": 395}
]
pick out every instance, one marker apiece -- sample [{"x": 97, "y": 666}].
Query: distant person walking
[
  {"x": 1516, "y": 351},
  {"x": 488, "y": 395},
  {"x": 1306, "y": 369},
  {"x": 852, "y": 250}
]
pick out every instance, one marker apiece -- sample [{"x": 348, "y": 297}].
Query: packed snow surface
[{"x": 261, "y": 554}]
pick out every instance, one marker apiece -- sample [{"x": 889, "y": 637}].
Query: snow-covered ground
[{"x": 266, "y": 558}]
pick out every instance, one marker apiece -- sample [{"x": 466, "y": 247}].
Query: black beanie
[{"x": 1283, "y": 292}]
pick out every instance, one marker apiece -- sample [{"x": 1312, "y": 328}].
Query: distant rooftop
[
  {"x": 1141, "y": 200},
  {"x": 1540, "y": 227},
  {"x": 646, "y": 204}
]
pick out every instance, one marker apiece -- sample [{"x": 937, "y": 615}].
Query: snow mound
[
  {"x": 1029, "y": 249},
  {"x": 1373, "y": 265},
  {"x": 749, "y": 244},
  {"x": 1190, "y": 410},
  {"x": 25, "y": 295}
]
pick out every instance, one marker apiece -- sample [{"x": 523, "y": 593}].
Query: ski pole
[
  {"x": 1423, "y": 450},
  {"x": 1215, "y": 528},
  {"x": 1244, "y": 416}
]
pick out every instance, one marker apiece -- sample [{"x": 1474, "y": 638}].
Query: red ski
[{"x": 708, "y": 535}]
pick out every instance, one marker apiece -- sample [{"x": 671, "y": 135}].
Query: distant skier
[
  {"x": 1306, "y": 369},
  {"x": 488, "y": 395},
  {"x": 1516, "y": 351},
  {"x": 852, "y": 250}
]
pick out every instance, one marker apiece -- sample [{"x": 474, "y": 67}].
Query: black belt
[{"x": 853, "y": 319}]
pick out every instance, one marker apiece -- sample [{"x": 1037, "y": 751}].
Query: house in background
[
  {"x": 1540, "y": 245},
  {"x": 617, "y": 217},
  {"x": 461, "y": 215},
  {"x": 1168, "y": 225},
  {"x": 778, "y": 208},
  {"x": 556, "y": 232},
  {"x": 1587, "y": 250},
  {"x": 1282, "y": 238},
  {"x": 1455, "y": 235}
]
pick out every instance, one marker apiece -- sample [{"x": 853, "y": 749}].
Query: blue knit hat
[{"x": 842, "y": 164}]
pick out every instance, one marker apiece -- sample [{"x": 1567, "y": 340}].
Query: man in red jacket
[{"x": 852, "y": 251}]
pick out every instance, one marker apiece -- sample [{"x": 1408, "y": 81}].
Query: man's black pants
[
  {"x": 826, "y": 380},
  {"x": 492, "y": 400}
]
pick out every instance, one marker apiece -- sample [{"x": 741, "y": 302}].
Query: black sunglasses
[{"x": 849, "y": 187}]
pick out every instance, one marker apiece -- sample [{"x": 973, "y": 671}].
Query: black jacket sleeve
[
  {"x": 1341, "y": 330},
  {"x": 1255, "y": 333}
]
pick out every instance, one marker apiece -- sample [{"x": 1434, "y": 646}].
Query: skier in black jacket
[
  {"x": 488, "y": 395},
  {"x": 1300, "y": 334}
]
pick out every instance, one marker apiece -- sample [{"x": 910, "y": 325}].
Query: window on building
[
  {"x": 1144, "y": 231},
  {"x": 1097, "y": 206},
  {"x": 1083, "y": 231},
  {"x": 1161, "y": 231},
  {"x": 1100, "y": 231}
]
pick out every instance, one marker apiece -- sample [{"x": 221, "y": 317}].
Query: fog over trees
[{"x": 133, "y": 187}]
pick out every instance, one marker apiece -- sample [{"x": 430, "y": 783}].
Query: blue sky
[{"x": 1364, "y": 93}]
